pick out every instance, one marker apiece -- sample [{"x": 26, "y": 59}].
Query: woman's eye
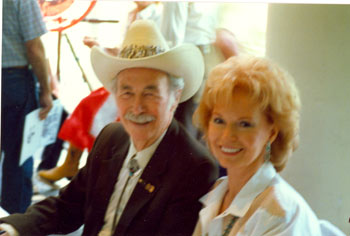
[{"x": 218, "y": 120}]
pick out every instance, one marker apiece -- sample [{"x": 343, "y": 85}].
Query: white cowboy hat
[{"x": 144, "y": 46}]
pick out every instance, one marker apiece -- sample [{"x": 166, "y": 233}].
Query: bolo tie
[
  {"x": 133, "y": 167},
  {"x": 230, "y": 225}
]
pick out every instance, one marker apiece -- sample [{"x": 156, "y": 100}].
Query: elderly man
[{"x": 144, "y": 176}]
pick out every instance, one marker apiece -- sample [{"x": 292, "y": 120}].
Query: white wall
[{"x": 313, "y": 43}]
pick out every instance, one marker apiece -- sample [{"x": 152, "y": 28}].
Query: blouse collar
[{"x": 242, "y": 202}]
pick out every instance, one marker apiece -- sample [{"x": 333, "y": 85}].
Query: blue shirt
[{"x": 21, "y": 21}]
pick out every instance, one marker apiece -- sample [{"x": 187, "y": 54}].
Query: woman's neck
[{"x": 237, "y": 178}]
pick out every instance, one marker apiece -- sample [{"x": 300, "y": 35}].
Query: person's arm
[
  {"x": 36, "y": 57},
  {"x": 90, "y": 42},
  {"x": 227, "y": 42},
  {"x": 174, "y": 20}
]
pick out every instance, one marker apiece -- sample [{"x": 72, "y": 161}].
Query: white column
[{"x": 313, "y": 43}]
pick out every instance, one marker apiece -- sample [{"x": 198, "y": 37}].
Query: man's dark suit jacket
[{"x": 181, "y": 171}]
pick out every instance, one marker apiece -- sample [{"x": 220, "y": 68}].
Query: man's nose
[{"x": 138, "y": 105}]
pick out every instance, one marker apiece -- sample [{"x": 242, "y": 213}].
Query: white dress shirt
[
  {"x": 266, "y": 205},
  {"x": 142, "y": 158},
  {"x": 151, "y": 12},
  {"x": 184, "y": 22}
]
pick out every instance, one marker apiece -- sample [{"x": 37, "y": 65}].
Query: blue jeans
[{"x": 18, "y": 98}]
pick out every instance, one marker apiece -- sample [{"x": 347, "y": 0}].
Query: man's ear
[
  {"x": 178, "y": 95},
  {"x": 177, "y": 100}
]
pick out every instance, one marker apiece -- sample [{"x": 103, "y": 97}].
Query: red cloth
[{"x": 76, "y": 128}]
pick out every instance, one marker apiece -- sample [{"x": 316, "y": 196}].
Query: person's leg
[
  {"x": 27, "y": 186},
  {"x": 1, "y": 162},
  {"x": 17, "y": 99}
]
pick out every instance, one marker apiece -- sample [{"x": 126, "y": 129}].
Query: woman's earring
[{"x": 267, "y": 151}]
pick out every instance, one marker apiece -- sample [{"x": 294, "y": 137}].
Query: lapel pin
[{"x": 149, "y": 188}]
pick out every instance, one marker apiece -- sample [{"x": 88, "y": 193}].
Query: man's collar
[{"x": 144, "y": 155}]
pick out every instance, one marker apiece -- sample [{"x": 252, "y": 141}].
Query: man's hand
[
  {"x": 46, "y": 105},
  {"x": 90, "y": 41},
  {"x": 112, "y": 51}
]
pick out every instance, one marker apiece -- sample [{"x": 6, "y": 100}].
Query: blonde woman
[{"x": 249, "y": 114}]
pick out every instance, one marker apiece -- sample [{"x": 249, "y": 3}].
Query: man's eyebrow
[
  {"x": 151, "y": 88},
  {"x": 125, "y": 87}
]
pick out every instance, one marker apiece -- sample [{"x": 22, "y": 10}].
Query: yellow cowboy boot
[{"x": 68, "y": 169}]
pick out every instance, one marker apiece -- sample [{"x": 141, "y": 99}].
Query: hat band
[{"x": 139, "y": 51}]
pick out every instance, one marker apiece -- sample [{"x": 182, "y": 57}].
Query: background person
[
  {"x": 23, "y": 63},
  {"x": 196, "y": 23},
  {"x": 250, "y": 113},
  {"x": 145, "y": 175}
]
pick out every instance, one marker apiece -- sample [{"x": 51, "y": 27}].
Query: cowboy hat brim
[{"x": 184, "y": 61}]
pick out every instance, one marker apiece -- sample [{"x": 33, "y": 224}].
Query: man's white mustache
[{"x": 143, "y": 118}]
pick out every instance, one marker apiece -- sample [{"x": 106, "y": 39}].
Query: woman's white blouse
[{"x": 266, "y": 205}]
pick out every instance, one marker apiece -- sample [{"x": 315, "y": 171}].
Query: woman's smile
[{"x": 230, "y": 151}]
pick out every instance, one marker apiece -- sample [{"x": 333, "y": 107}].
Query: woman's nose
[{"x": 230, "y": 132}]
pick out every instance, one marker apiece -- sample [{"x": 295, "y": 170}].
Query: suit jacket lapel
[
  {"x": 149, "y": 182},
  {"x": 106, "y": 180}
]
